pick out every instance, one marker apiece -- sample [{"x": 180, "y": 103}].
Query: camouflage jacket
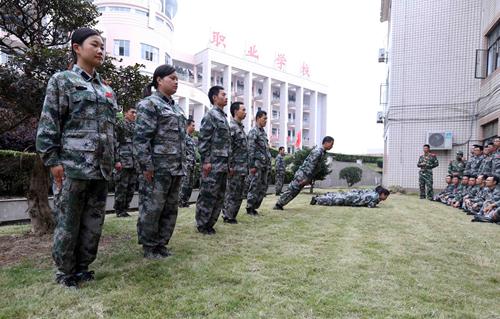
[
  {"x": 239, "y": 147},
  {"x": 487, "y": 194},
  {"x": 486, "y": 165},
  {"x": 258, "y": 149},
  {"x": 473, "y": 191},
  {"x": 190, "y": 152},
  {"x": 456, "y": 167},
  {"x": 427, "y": 162},
  {"x": 77, "y": 125},
  {"x": 159, "y": 138},
  {"x": 311, "y": 164},
  {"x": 495, "y": 163},
  {"x": 473, "y": 165},
  {"x": 464, "y": 191},
  {"x": 214, "y": 143},
  {"x": 280, "y": 164},
  {"x": 368, "y": 198},
  {"x": 125, "y": 135}
]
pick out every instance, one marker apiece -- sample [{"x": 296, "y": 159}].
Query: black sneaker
[
  {"x": 85, "y": 276},
  {"x": 313, "y": 201},
  {"x": 163, "y": 251},
  {"x": 278, "y": 207},
  {"x": 232, "y": 221},
  {"x": 122, "y": 214},
  {"x": 150, "y": 253},
  {"x": 67, "y": 281},
  {"x": 202, "y": 230},
  {"x": 211, "y": 231}
]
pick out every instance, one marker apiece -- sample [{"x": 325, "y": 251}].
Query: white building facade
[
  {"x": 442, "y": 82},
  {"x": 141, "y": 31}
]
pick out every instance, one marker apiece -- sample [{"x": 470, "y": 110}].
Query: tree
[
  {"x": 351, "y": 174},
  {"x": 36, "y": 35},
  {"x": 321, "y": 171}
]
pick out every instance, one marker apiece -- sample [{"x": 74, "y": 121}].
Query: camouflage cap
[{"x": 460, "y": 153}]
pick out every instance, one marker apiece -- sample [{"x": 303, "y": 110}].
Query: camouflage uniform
[
  {"x": 486, "y": 166},
  {"x": 214, "y": 145},
  {"x": 77, "y": 130},
  {"x": 126, "y": 178},
  {"x": 280, "y": 173},
  {"x": 426, "y": 163},
  {"x": 440, "y": 197},
  {"x": 495, "y": 163},
  {"x": 259, "y": 158},
  {"x": 456, "y": 167},
  {"x": 474, "y": 165},
  {"x": 236, "y": 182},
  {"x": 304, "y": 174},
  {"x": 188, "y": 179},
  {"x": 368, "y": 198},
  {"x": 159, "y": 146}
]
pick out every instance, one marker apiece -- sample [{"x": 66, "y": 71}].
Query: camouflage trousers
[
  {"x": 331, "y": 199},
  {"x": 187, "y": 183},
  {"x": 234, "y": 196},
  {"x": 125, "y": 183},
  {"x": 425, "y": 184},
  {"x": 158, "y": 205},
  {"x": 290, "y": 193},
  {"x": 79, "y": 214},
  {"x": 279, "y": 180},
  {"x": 257, "y": 188},
  {"x": 211, "y": 199}
]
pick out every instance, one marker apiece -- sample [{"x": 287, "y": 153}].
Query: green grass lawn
[{"x": 410, "y": 258}]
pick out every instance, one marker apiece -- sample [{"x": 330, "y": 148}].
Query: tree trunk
[
  {"x": 42, "y": 219},
  {"x": 311, "y": 189}
]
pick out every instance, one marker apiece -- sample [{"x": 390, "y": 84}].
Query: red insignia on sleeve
[{"x": 109, "y": 94}]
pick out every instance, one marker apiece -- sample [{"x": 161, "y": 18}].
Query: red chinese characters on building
[
  {"x": 218, "y": 39},
  {"x": 280, "y": 61},
  {"x": 304, "y": 70},
  {"x": 252, "y": 52}
]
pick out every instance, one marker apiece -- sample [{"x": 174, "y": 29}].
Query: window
[
  {"x": 121, "y": 48},
  {"x": 142, "y": 12},
  {"x": 119, "y": 9},
  {"x": 493, "y": 61},
  {"x": 168, "y": 59},
  {"x": 149, "y": 52},
  {"x": 101, "y": 9},
  {"x": 490, "y": 131}
]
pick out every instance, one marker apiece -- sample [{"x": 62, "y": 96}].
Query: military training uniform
[
  {"x": 368, "y": 198},
  {"x": 126, "y": 178},
  {"x": 486, "y": 166},
  {"x": 236, "y": 182},
  {"x": 456, "y": 167},
  {"x": 259, "y": 158},
  {"x": 77, "y": 130},
  {"x": 188, "y": 179},
  {"x": 280, "y": 173},
  {"x": 426, "y": 163},
  {"x": 304, "y": 175},
  {"x": 159, "y": 146},
  {"x": 214, "y": 145},
  {"x": 473, "y": 165}
]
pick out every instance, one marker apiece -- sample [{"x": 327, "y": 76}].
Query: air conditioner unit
[
  {"x": 381, "y": 55},
  {"x": 440, "y": 140},
  {"x": 380, "y": 117}
]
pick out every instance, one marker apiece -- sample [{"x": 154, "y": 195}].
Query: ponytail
[{"x": 147, "y": 90}]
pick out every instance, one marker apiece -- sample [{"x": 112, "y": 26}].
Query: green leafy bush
[{"x": 351, "y": 174}]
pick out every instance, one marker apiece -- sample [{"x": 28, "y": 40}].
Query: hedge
[{"x": 353, "y": 158}]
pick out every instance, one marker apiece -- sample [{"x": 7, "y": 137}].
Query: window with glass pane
[
  {"x": 493, "y": 43},
  {"x": 149, "y": 52},
  {"x": 121, "y": 48}
]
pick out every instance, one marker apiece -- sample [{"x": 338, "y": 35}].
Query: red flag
[{"x": 298, "y": 140}]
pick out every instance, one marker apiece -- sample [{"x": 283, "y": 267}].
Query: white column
[
  {"x": 322, "y": 111},
  {"x": 195, "y": 72},
  {"x": 207, "y": 74},
  {"x": 198, "y": 112},
  {"x": 313, "y": 130},
  {"x": 283, "y": 114},
  {"x": 227, "y": 86},
  {"x": 299, "y": 109},
  {"x": 267, "y": 98},
  {"x": 248, "y": 101}
]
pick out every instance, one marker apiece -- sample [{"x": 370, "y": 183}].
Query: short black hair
[
  {"x": 472, "y": 176},
  {"x": 479, "y": 146},
  {"x": 327, "y": 139},
  {"x": 235, "y": 106},
  {"x": 214, "y": 91},
  {"x": 381, "y": 190},
  {"x": 495, "y": 178},
  {"x": 260, "y": 114},
  {"x": 281, "y": 148},
  {"x": 427, "y": 145},
  {"x": 491, "y": 144},
  {"x": 189, "y": 122}
]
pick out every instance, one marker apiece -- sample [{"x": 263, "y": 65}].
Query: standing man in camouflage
[
  {"x": 76, "y": 139},
  {"x": 495, "y": 162},
  {"x": 214, "y": 145},
  {"x": 125, "y": 179},
  {"x": 305, "y": 173},
  {"x": 188, "y": 179},
  {"x": 487, "y": 163},
  {"x": 426, "y": 162},
  {"x": 239, "y": 165},
  {"x": 457, "y": 166},
  {"x": 259, "y": 162},
  {"x": 474, "y": 163},
  {"x": 280, "y": 170}
]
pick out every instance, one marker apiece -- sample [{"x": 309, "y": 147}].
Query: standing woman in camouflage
[
  {"x": 76, "y": 139},
  {"x": 159, "y": 147}
]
